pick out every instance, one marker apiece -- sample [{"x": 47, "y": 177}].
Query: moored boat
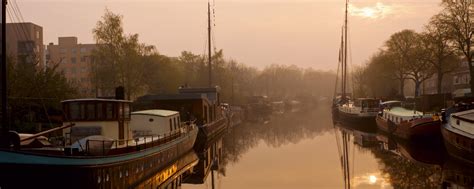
[
  {"x": 200, "y": 105},
  {"x": 104, "y": 145},
  {"x": 361, "y": 112},
  {"x": 458, "y": 135},
  {"x": 408, "y": 124}
]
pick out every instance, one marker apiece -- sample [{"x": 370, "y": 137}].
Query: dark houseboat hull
[
  {"x": 408, "y": 130},
  {"x": 113, "y": 171},
  {"x": 362, "y": 123},
  {"x": 458, "y": 145},
  {"x": 209, "y": 132}
]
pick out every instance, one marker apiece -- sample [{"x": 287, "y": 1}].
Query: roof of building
[
  {"x": 94, "y": 99},
  {"x": 156, "y": 112},
  {"x": 187, "y": 96}
]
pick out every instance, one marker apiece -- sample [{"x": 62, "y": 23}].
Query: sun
[
  {"x": 372, "y": 179},
  {"x": 368, "y": 12}
]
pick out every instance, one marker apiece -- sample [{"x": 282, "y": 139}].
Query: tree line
[
  {"x": 121, "y": 60},
  {"x": 445, "y": 42}
]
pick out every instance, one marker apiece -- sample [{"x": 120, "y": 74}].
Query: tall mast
[
  {"x": 209, "y": 41},
  {"x": 344, "y": 65},
  {"x": 5, "y": 126}
]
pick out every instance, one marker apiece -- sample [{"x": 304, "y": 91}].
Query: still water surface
[{"x": 304, "y": 149}]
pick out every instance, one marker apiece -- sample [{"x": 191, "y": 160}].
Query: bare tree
[
  {"x": 439, "y": 51},
  {"x": 457, "y": 18}
]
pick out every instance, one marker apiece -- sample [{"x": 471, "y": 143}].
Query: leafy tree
[
  {"x": 118, "y": 58},
  {"x": 35, "y": 95}
]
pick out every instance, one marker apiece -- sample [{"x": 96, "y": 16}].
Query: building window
[
  {"x": 73, "y": 50},
  {"x": 73, "y": 60},
  {"x": 83, "y": 58},
  {"x": 83, "y": 50},
  {"x": 63, "y": 60},
  {"x": 83, "y": 69},
  {"x": 62, "y": 50},
  {"x": 73, "y": 70}
]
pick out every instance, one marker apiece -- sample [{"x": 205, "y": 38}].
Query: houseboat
[
  {"x": 104, "y": 145},
  {"x": 199, "y": 105},
  {"x": 407, "y": 124},
  {"x": 458, "y": 135},
  {"x": 361, "y": 111}
]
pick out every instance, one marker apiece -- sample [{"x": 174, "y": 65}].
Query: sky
[{"x": 257, "y": 33}]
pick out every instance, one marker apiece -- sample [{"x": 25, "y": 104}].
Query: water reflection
[{"x": 305, "y": 150}]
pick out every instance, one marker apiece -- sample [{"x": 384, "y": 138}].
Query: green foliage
[
  {"x": 34, "y": 94},
  {"x": 119, "y": 58}
]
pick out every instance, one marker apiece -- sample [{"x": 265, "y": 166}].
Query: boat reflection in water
[
  {"x": 422, "y": 164},
  {"x": 209, "y": 160},
  {"x": 171, "y": 176}
]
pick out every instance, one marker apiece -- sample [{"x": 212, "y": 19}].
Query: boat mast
[
  {"x": 5, "y": 126},
  {"x": 209, "y": 42},
  {"x": 344, "y": 65}
]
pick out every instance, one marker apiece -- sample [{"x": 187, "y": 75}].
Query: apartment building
[
  {"x": 75, "y": 61},
  {"x": 25, "y": 43}
]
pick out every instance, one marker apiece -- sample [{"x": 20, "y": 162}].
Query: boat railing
[{"x": 95, "y": 147}]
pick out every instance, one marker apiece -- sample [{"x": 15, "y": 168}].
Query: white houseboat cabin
[
  {"x": 154, "y": 122},
  {"x": 108, "y": 118}
]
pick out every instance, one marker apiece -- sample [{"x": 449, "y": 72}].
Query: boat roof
[
  {"x": 185, "y": 96},
  {"x": 94, "y": 100},
  {"x": 391, "y": 102},
  {"x": 465, "y": 115},
  {"x": 399, "y": 111},
  {"x": 156, "y": 112}
]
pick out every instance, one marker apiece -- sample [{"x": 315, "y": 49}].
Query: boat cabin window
[
  {"x": 96, "y": 111},
  {"x": 171, "y": 125}
]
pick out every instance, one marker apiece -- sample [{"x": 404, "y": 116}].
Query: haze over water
[
  {"x": 301, "y": 150},
  {"x": 258, "y": 33}
]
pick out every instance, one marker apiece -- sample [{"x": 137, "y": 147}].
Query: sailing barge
[{"x": 104, "y": 145}]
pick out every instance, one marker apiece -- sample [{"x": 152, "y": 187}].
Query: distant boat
[
  {"x": 408, "y": 124},
  {"x": 458, "y": 135},
  {"x": 103, "y": 145}
]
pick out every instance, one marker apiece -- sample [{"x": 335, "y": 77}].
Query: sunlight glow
[
  {"x": 372, "y": 179},
  {"x": 379, "y": 10}
]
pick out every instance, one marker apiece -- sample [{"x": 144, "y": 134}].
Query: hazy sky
[{"x": 255, "y": 32}]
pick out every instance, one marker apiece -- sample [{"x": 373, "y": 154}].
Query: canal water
[{"x": 305, "y": 149}]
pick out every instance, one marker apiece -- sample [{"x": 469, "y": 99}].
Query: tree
[
  {"x": 33, "y": 93},
  {"x": 118, "y": 58},
  {"x": 399, "y": 47},
  {"x": 457, "y": 18},
  {"x": 439, "y": 50}
]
